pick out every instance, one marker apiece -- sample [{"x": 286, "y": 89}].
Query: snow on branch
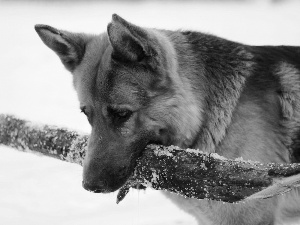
[{"x": 188, "y": 172}]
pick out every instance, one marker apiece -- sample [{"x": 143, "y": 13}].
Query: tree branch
[{"x": 188, "y": 172}]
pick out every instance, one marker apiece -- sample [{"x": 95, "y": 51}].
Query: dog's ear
[
  {"x": 70, "y": 47},
  {"x": 130, "y": 42}
]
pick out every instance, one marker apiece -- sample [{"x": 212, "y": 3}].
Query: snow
[
  {"x": 35, "y": 86},
  {"x": 41, "y": 190}
]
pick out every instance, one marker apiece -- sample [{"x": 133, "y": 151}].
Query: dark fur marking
[{"x": 226, "y": 67}]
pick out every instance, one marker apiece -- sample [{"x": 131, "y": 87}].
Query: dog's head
[{"x": 124, "y": 83}]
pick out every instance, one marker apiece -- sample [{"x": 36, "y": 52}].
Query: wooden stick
[
  {"x": 188, "y": 172},
  {"x": 52, "y": 141}
]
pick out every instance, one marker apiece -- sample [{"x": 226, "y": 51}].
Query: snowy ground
[{"x": 33, "y": 85}]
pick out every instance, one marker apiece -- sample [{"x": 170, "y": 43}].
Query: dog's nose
[{"x": 100, "y": 187}]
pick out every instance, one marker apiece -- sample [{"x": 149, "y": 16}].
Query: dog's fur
[{"x": 139, "y": 86}]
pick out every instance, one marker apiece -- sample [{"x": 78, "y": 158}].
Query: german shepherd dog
[{"x": 139, "y": 86}]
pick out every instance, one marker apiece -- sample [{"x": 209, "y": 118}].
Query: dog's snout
[{"x": 100, "y": 187}]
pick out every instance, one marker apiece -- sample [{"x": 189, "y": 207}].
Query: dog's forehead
[
  {"x": 98, "y": 77},
  {"x": 123, "y": 84},
  {"x": 85, "y": 75},
  {"x": 123, "y": 94}
]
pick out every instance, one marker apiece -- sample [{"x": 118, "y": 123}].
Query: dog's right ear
[
  {"x": 132, "y": 43},
  {"x": 68, "y": 46}
]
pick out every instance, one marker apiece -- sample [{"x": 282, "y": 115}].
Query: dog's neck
[{"x": 200, "y": 60}]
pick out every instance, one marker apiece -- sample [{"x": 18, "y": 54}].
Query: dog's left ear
[
  {"x": 130, "y": 42},
  {"x": 70, "y": 47}
]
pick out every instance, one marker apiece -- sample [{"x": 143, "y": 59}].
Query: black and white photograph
[{"x": 150, "y": 112}]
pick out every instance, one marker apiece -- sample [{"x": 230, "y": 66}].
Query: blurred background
[{"x": 35, "y": 86}]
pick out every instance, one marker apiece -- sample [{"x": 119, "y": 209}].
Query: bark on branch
[{"x": 191, "y": 173}]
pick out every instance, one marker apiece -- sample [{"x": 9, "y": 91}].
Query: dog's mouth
[
  {"x": 121, "y": 176},
  {"x": 126, "y": 175},
  {"x": 132, "y": 183}
]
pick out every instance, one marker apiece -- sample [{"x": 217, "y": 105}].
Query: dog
[{"x": 140, "y": 86}]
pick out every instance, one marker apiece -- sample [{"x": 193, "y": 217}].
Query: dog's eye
[
  {"x": 119, "y": 115},
  {"x": 123, "y": 114}
]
